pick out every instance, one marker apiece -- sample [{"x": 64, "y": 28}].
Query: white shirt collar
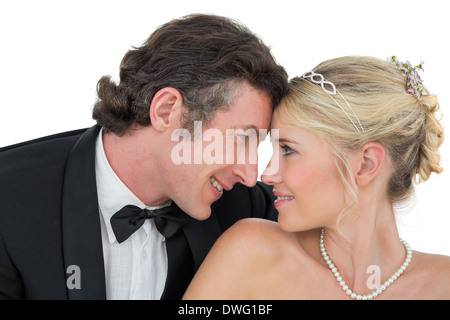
[{"x": 112, "y": 193}]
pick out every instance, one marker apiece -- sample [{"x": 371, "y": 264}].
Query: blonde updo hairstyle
[{"x": 405, "y": 126}]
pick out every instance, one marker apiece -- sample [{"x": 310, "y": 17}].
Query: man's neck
[{"x": 129, "y": 157}]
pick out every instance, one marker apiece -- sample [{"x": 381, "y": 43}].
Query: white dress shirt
[{"x": 137, "y": 267}]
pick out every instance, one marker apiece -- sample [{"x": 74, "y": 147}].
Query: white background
[{"x": 54, "y": 52}]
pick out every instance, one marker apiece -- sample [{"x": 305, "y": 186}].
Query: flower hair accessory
[{"x": 413, "y": 80}]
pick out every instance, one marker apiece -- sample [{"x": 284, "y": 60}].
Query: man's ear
[
  {"x": 165, "y": 109},
  {"x": 370, "y": 159}
]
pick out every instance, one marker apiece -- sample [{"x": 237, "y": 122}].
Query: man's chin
[{"x": 200, "y": 215}]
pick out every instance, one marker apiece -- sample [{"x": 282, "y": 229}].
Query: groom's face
[{"x": 219, "y": 155}]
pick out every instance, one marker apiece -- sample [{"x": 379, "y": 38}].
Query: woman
[{"x": 353, "y": 135}]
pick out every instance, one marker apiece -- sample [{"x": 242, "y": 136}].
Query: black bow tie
[{"x": 129, "y": 219}]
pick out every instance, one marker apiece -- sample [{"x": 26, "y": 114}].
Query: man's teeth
[
  {"x": 284, "y": 198},
  {"x": 216, "y": 184}
]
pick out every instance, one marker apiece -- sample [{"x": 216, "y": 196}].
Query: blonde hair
[{"x": 406, "y": 127}]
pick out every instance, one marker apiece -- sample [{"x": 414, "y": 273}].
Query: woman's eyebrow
[{"x": 284, "y": 140}]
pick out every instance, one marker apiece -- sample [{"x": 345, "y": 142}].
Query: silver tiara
[{"x": 331, "y": 90}]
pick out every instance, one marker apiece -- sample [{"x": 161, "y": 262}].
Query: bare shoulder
[
  {"x": 433, "y": 270},
  {"x": 244, "y": 255},
  {"x": 257, "y": 241},
  {"x": 440, "y": 266},
  {"x": 256, "y": 231}
]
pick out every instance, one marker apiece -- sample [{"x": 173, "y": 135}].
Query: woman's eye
[{"x": 286, "y": 150}]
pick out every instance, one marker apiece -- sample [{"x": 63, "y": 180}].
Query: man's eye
[
  {"x": 243, "y": 140},
  {"x": 242, "y": 136}
]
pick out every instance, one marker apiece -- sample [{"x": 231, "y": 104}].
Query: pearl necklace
[{"x": 376, "y": 293}]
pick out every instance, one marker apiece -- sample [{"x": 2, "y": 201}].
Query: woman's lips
[{"x": 281, "y": 199}]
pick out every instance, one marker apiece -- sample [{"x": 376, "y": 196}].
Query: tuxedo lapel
[
  {"x": 185, "y": 253},
  {"x": 180, "y": 267},
  {"x": 201, "y": 236},
  {"x": 81, "y": 230}
]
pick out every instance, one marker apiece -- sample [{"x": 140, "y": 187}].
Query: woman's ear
[
  {"x": 165, "y": 109},
  {"x": 370, "y": 159}
]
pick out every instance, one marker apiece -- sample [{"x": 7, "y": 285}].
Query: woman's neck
[{"x": 366, "y": 245}]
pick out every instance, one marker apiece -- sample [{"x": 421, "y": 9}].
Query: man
[{"x": 68, "y": 201}]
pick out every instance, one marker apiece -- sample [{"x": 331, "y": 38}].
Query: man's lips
[
  {"x": 216, "y": 184},
  {"x": 220, "y": 184}
]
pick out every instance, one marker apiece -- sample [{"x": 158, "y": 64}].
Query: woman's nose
[{"x": 271, "y": 174}]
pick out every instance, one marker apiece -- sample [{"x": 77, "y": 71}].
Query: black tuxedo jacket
[{"x": 49, "y": 222}]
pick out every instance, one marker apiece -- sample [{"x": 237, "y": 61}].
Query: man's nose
[{"x": 247, "y": 174}]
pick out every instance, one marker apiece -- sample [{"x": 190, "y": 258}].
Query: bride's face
[{"x": 308, "y": 184}]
